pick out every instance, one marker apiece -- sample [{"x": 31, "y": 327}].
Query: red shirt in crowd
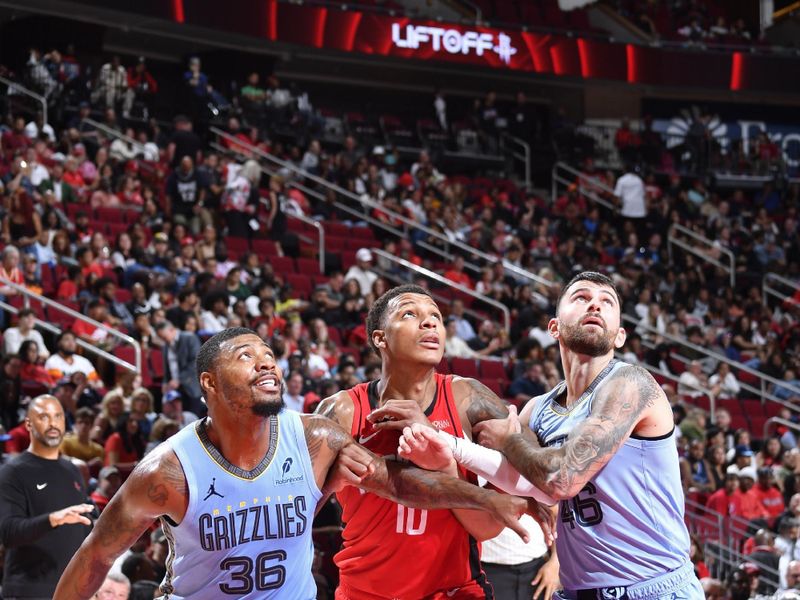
[
  {"x": 771, "y": 499},
  {"x": 724, "y": 504},
  {"x": 752, "y": 507}
]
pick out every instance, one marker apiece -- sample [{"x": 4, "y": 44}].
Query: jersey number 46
[{"x": 583, "y": 509}]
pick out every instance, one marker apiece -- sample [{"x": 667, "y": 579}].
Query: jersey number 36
[{"x": 249, "y": 574}]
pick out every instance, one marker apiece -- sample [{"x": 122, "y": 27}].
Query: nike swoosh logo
[
  {"x": 364, "y": 440},
  {"x": 41, "y": 486},
  {"x": 452, "y": 593}
]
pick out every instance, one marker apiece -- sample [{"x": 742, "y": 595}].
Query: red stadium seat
[{"x": 465, "y": 367}]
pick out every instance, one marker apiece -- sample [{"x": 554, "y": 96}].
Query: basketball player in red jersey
[{"x": 391, "y": 551}]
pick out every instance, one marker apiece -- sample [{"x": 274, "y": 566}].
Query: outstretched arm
[
  {"x": 156, "y": 487},
  {"x": 416, "y": 488},
  {"x": 620, "y": 404}
]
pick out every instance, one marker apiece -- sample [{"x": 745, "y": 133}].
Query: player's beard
[
  {"x": 268, "y": 409},
  {"x": 582, "y": 340}
]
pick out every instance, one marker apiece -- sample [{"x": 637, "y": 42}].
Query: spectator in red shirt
[
  {"x": 627, "y": 141},
  {"x": 727, "y": 500},
  {"x": 768, "y": 494},
  {"x": 456, "y": 273},
  {"x": 752, "y": 508},
  {"x": 16, "y": 139},
  {"x": 141, "y": 86},
  {"x": 125, "y": 447},
  {"x": 108, "y": 482}
]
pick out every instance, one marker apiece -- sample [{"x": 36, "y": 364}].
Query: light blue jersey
[
  {"x": 626, "y": 525},
  {"x": 246, "y": 534}
]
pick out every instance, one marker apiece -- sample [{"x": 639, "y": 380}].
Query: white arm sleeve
[{"x": 494, "y": 468}]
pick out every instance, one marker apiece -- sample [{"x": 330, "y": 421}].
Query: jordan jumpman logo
[{"x": 212, "y": 491}]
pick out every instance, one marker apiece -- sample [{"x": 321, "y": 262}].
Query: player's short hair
[
  {"x": 209, "y": 351},
  {"x": 376, "y": 317},
  {"x": 594, "y": 277}
]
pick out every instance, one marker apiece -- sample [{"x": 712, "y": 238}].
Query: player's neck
[
  {"x": 580, "y": 370},
  {"x": 411, "y": 382},
  {"x": 242, "y": 439}
]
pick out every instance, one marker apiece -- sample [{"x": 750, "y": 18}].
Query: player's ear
[
  {"x": 379, "y": 338},
  {"x": 622, "y": 335},
  {"x": 552, "y": 327},
  {"x": 207, "y": 382}
]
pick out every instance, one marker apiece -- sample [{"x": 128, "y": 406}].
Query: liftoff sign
[{"x": 453, "y": 41}]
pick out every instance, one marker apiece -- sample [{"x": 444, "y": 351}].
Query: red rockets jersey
[{"x": 393, "y": 551}]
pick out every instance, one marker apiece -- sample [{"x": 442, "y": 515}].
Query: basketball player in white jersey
[
  {"x": 608, "y": 456},
  {"x": 236, "y": 492}
]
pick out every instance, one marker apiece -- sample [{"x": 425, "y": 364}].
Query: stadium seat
[{"x": 465, "y": 367}]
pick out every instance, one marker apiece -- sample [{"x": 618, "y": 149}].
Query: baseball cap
[
  {"x": 161, "y": 237},
  {"x": 187, "y": 241},
  {"x": 748, "y": 472},
  {"x": 743, "y": 450},
  {"x": 171, "y": 396},
  {"x": 364, "y": 254},
  {"x": 107, "y": 472}
]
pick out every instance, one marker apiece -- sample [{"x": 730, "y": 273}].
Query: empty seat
[
  {"x": 281, "y": 265},
  {"x": 492, "y": 369},
  {"x": 465, "y": 367}
]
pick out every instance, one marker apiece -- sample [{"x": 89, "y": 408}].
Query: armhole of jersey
[
  {"x": 188, "y": 473},
  {"x": 358, "y": 410},
  {"x": 449, "y": 402},
  {"x": 308, "y": 468}
]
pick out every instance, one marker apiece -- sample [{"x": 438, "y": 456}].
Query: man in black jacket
[{"x": 43, "y": 507}]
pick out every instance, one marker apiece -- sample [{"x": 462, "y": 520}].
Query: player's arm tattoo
[
  {"x": 482, "y": 403},
  {"x": 155, "y": 487},
  {"x": 616, "y": 409},
  {"x": 413, "y": 487}
]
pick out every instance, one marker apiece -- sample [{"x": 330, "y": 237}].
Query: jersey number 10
[{"x": 406, "y": 518}]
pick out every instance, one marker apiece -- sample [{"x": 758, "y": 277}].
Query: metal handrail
[
  {"x": 584, "y": 191},
  {"x": 672, "y": 239},
  {"x": 115, "y": 133},
  {"x": 766, "y": 288},
  {"x": 443, "y": 280},
  {"x": 410, "y": 223},
  {"x": 316, "y": 224},
  {"x": 320, "y": 235},
  {"x": 28, "y": 295},
  {"x": 779, "y": 421},
  {"x": 525, "y": 157},
  {"x": 13, "y": 85},
  {"x": 720, "y": 358}
]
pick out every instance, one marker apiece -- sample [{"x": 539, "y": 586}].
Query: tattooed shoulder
[
  {"x": 324, "y": 434},
  {"x": 338, "y": 408},
  {"x": 630, "y": 388},
  {"x": 480, "y": 402}
]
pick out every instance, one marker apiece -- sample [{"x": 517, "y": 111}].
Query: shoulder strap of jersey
[
  {"x": 446, "y": 389},
  {"x": 359, "y": 394}
]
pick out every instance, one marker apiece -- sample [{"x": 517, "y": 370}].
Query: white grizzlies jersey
[
  {"x": 246, "y": 534},
  {"x": 626, "y": 525}
]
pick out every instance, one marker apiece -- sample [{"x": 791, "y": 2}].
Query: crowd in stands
[
  {"x": 690, "y": 21},
  {"x": 171, "y": 240}
]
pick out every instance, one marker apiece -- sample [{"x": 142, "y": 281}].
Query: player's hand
[
  {"x": 398, "y": 414},
  {"x": 425, "y": 448},
  {"x": 507, "y": 510},
  {"x": 545, "y": 516},
  {"x": 71, "y": 515},
  {"x": 494, "y": 432},
  {"x": 352, "y": 465},
  {"x": 546, "y": 580}
]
